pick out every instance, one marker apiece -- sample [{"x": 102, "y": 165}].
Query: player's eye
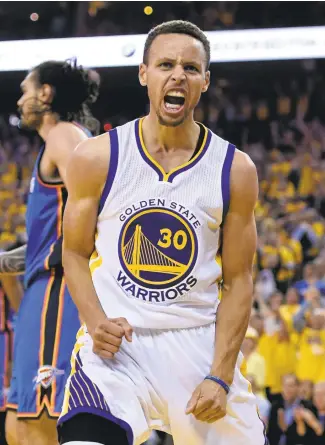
[
  {"x": 191, "y": 68},
  {"x": 166, "y": 65}
]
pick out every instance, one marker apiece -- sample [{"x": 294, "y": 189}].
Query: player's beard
[
  {"x": 31, "y": 119},
  {"x": 32, "y": 122},
  {"x": 172, "y": 122},
  {"x": 175, "y": 123}
]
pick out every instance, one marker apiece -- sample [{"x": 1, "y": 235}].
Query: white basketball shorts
[{"x": 148, "y": 384}]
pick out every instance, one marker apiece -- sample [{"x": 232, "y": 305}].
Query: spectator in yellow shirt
[
  {"x": 311, "y": 357},
  {"x": 282, "y": 357},
  {"x": 290, "y": 308},
  {"x": 254, "y": 362},
  {"x": 281, "y": 188}
]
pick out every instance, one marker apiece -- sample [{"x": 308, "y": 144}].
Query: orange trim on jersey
[
  {"x": 46, "y": 262},
  {"x": 13, "y": 406},
  {"x": 59, "y": 213},
  {"x": 57, "y": 339},
  {"x": 43, "y": 323},
  {"x": 3, "y": 313},
  {"x": 6, "y": 366},
  {"x": 58, "y": 227},
  {"x": 60, "y": 185},
  {"x": 45, "y": 405}
]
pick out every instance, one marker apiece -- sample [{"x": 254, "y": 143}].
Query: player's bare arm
[
  {"x": 13, "y": 289},
  {"x": 208, "y": 402},
  {"x": 238, "y": 249},
  {"x": 86, "y": 176},
  {"x": 12, "y": 262}
]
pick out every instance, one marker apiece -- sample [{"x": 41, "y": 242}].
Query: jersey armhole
[
  {"x": 112, "y": 168},
  {"x": 225, "y": 180}
]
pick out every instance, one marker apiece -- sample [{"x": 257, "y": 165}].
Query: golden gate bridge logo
[
  {"x": 141, "y": 255},
  {"x": 157, "y": 247}
]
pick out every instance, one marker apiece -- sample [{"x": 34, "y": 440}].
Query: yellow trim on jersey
[
  {"x": 148, "y": 155},
  {"x": 95, "y": 260},
  {"x": 76, "y": 349}
]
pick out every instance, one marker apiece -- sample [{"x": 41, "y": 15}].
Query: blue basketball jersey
[{"x": 46, "y": 202}]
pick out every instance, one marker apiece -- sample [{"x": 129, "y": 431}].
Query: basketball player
[
  {"x": 54, "y": 96},
  {"x": 141, "y": 233}
]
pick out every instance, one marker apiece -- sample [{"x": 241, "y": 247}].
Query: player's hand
[
  {"x": 108, "y": 334},
  {"x": 208, "y": 402}
]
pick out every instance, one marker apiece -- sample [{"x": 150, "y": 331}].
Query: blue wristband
[{"x": 219, "y": 381}]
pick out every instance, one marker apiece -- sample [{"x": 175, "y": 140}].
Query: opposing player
[
  {"x": 146, "y": 209},
  {"x": 55, "y": 103}
]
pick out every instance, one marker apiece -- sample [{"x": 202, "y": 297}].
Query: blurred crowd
[
  {"x": 90, "y": 18},
  {"x": 17, "y": 157},
  {"x": 284, "y": 348}
]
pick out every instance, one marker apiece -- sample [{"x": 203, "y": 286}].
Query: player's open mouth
[{"x": 174, "y": 101}]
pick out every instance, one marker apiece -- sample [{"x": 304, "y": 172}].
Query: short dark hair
[
  {"x": 290, "y": 376},
  {"x": 74, "y": 89},
  {"x": 177, "y": 27}
]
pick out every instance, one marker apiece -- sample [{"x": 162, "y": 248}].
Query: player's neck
[
  {"x": 183, "y": 136},
  {"x": 49, "y": 121}
]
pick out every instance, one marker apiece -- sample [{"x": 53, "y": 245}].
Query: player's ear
[
  {"x": 206, "y": 82},
  {"x": 46, "y": 93},
  {"x": 143, "y": 74}
]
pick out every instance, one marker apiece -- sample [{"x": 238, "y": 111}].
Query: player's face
[
  {"x": 175, "y": 76},
  {"x": 29, "y": 105}
]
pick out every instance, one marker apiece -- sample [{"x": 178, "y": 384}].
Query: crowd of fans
[
  {"x": 284, "y": 348},
  {"x": 90, "y": 18}
]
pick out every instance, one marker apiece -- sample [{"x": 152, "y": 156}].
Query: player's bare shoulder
[
  {"x": 66, "y": 130},
  {"x": 244, "y": 181},
  {"x": 62, "y": 139},
  {"x": 89, "y": 163}
]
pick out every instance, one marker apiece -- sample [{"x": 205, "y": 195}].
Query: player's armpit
[
  {"x": 238, "y": 249},
  {"x": 86, "y": 176},
  {"x": 13, "y": 261}
]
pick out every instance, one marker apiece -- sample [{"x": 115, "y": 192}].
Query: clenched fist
[
  {"x": 108, "y": 334},
  {"x": 208, "y": 402}
]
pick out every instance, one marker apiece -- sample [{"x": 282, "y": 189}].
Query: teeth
[
  {"x": 175, "y": 93},
  {"x": 172, "y": 106}
]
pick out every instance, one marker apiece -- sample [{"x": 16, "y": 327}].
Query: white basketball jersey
[{"x": 158, "y": 234}]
